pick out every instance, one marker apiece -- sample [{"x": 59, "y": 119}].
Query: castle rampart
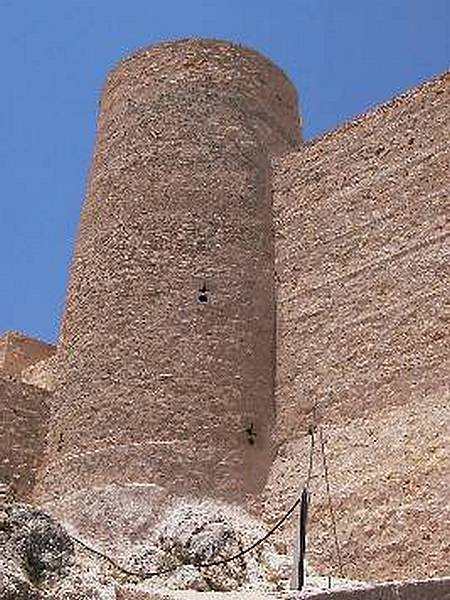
[
  {"x": 362, "y": 260},
  {"x": 362, "y": 264},
  {"x": 19, "y": 351},
  {"x": 23, "y": 427},
  {"x": 42, "y": 374}
]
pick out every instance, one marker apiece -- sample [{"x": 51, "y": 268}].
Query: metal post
[{"x": 300, "y": 549}]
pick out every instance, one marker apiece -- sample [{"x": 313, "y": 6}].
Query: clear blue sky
[{"x": 344, "y": 56}]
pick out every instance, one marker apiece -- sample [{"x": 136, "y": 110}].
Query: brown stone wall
[
  {"x": 388, "y": 474},
  {"x": 362, "y": 260},
  {"x": 3, "y": 345},
  {"x": 437, "y": 589},
  {"x": 157, "y": 386},
  {"x": 42, "y": 374},
  {"x": 362, "y": 269},
  {"x": 23, "y": 427},
  {"x": 18, "y": 351}
]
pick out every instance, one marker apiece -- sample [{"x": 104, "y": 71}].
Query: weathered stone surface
[
  {"x": 388, "y": 478},
  {"x": 362, "y": 261},
  {"x": 14, "y": 586},
  {"x": 34, "y": 551},
  {"x": 42, "y": 374},
  {"x": 33, "y": 540},
  {"x": 160, "y": 381},
  {"x": 361, "y": 231},
  {"x": 23, "y": 426},
  {"x": 38, "y": 562},
  {"x": 113, "y": 518},
  {"x": 195, "y": 533},
  {"x": 84, "y": 587},
  {"x": 168, "y": 345},
  {"x": 19, "y": 351}
]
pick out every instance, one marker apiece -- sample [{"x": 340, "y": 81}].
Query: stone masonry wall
[
  {"x": 362, "y": 268},
  {"x": 159, "y": 386},
  {"x": 160, "y": 381},
  {"x": 3, "y": 345},
  {"x": 435, "y": 589},
  {"x": 23, "y": 427},
  {"x": 18, "y": 351},
  {"x": 362, "y": 260},
  {"x": 388, "y": 475},
  {"x": 42, "y": 374}
]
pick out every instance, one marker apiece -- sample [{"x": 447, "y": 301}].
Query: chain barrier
[{"x": 212, "y": 563}]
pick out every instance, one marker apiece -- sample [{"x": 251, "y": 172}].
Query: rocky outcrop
[
  {"x": 40, "y": 561},
  {"x": 35, "y": 550},
  {"x": 194, "y": 534}
]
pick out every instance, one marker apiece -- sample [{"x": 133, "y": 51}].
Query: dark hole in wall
[
  {"x": 203, "y": 295},
  {"x": 251, "y": 433}
]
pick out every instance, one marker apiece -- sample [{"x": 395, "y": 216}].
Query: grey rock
[
  {"x": 34, "y": 549},
  {"x": 13, "y": 586},
  {"x": 195, "y": 533},
  {"x": 37, "y": 542}
]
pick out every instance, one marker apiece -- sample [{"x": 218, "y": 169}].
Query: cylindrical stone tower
[{"x": 167, "y": 348}]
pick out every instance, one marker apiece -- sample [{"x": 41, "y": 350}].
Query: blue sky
[{"x": 344, "y": 56}]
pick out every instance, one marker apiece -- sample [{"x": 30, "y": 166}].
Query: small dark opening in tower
[
  {"x": 251, "y": 433},
  {"x": 203, "y": 295}
]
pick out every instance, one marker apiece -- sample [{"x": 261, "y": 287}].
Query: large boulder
[
  {"x": 31, "y": 538},
  {"x": 15, "y": 586},
  {"x": 34, "y": 549},
  {"x": 194, "y": 533}
]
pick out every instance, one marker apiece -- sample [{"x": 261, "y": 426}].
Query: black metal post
[{"x": 302, "y": 538}]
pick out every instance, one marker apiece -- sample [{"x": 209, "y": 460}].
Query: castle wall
[
  {"x": 362, "y": 271},
  {"x": 388, "y": 475},
  {"x": 160, "y": 381},
  {"x": 23, "y": 427},
  {"x": 3, "y": 345},
  {"x": 436, "y": 589},
  {"x": 361, "y": 260},
  {"x": 18, "y": 351},
  {"x": 42, "y": 374}
]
